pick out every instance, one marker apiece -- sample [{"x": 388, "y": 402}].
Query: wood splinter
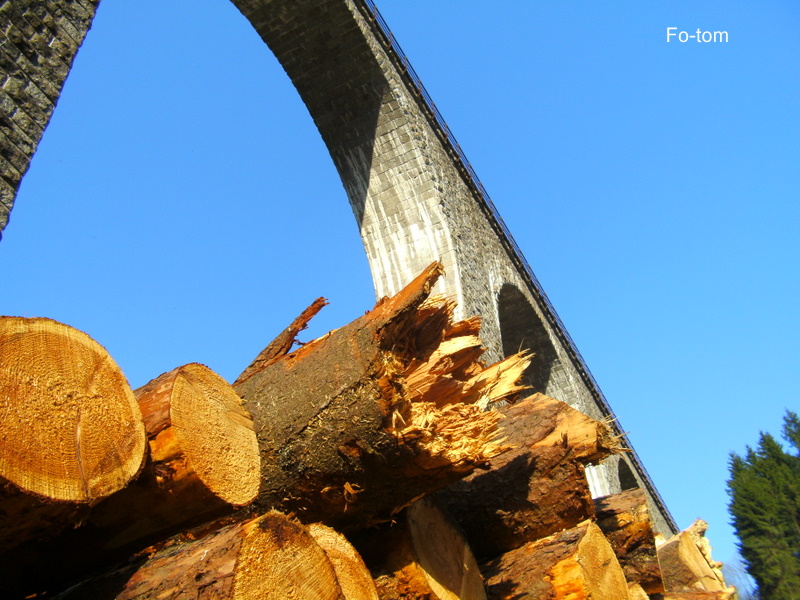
[{"x": 357, "y": 424}]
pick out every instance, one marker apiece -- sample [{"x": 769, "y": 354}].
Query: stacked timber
[{"x": 373, "y": 463}]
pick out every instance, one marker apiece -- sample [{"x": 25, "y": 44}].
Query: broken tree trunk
[
  {"x": 576, "y": 563},
  {"x": 346, "y": 439},
  {"x": 423, "y": 556},
  {"x": 537, "y": 488},
  {"x": 203, "y": 461},
  {"x": 625, "y": 520},
  {"x": 267, "y": 558},
  {"x": 353, "y": 576},
  {"x": 72, "y": 431}
]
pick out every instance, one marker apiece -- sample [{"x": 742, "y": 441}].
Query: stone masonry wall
[{"x": 38, "y": 42}]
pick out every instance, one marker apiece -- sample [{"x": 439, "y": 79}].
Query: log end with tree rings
[
  {"x": 71, "y": 427},
  {"x": 72, "y": 433},
  {"x": 215, "y": 433}
]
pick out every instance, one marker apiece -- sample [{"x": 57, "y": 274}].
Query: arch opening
[
  {"x": 627, "y": 480},
  {"x": 522, "y": 329}
]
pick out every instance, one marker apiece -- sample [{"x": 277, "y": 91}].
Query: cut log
[
  {"x": 576, "y": 563},
  {"x": 345, "y": 440},
  {"x": 625, "y": 520},
  {"x": 697, "y": 531},
  {"x": 685, "y": 568},
  {"x": 203, "y": 461},
  {"x": 353, "y": 575},
  {"x": 72, "y": 432},
  {"x": 268, "y": 558},
  {"x": 522, "y": 498},
  {"x": 422, "y": 557},
  {"x": 537, "y": 488}
]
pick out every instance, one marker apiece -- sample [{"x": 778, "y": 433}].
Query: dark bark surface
[
  {"x": 537, "y": 488},
  {"x": 342, "y": 441}
]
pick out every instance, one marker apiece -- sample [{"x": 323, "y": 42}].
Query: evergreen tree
[{"x": 764, "y": 489}]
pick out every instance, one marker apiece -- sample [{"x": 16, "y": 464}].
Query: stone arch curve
[{"x": 412, "y": 192}]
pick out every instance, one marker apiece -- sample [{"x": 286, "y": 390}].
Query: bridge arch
[
  {"x": 410, "y": 189},
  {"x": 521, "y": 329}
]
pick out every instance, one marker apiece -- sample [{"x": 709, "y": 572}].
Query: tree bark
[
  {"x": 625, "y": 520},
  {"x": 72, "y": 431},
  {"x": 423, "y": 556},
  {"x": 267, "y": 558},
  {"x": 539, "y": 421},
  {"x": 576, "y": 563},
  {"x": 537, "y": 488},
  {"x": 203, "y": 460},
  {"x": 347, "y": 441}
]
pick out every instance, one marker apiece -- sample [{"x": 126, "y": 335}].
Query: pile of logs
[{"x": 383, "y": 460}]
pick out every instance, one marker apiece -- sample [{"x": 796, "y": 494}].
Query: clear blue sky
[{"x": 182, "y": 207}]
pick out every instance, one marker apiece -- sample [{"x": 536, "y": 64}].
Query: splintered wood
[
  {"x": 378, "y": 441},
  {"x": 538, "y": 487},
  {"x": 404, "y": 467},
  {"x": 687, "y": 565}
]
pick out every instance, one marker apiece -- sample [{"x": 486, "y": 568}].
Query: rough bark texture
[
  {"x": 537, "y": 488},
  {"x": 203, "y": 460},
  {"x": 267, "y": 558},
  {"x": 353, "y": 575},
  {"x": 577, "y": 563},
  {"x": 344, "y": 440},
  {"x": 422, "y": 557},
  {"x": 72, "y": 433},
  {"x": 521, "y": 498},
  {"x": 539, "y": 421},
  {"x": 625, "y": 520}
]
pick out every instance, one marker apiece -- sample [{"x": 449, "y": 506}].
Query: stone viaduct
[{"x": 411, "y": 189}]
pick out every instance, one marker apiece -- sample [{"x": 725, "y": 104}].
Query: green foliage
[{"x": 764, "y": 490}]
